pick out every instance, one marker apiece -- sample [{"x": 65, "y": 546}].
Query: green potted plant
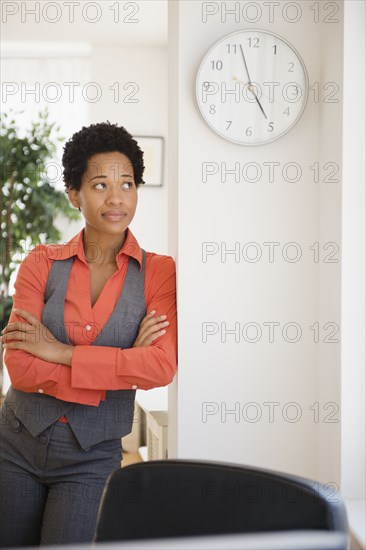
[{"x": 28, "y": 201}]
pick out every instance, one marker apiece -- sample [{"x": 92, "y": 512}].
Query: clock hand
[
  {"x": 265, "y": 95},
  {"x": 250, "y": 87},
  {"x": 245, "y": 63},
  {"x": 259, "y": 103}
]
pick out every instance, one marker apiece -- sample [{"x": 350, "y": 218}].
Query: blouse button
[
  {"x": 134, "y": 387},
  {"x": 40, "y": 391},
  {"x": 88, "y": 327}
]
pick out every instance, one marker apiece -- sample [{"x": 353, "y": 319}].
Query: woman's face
[{"x": 108, "y": 195}]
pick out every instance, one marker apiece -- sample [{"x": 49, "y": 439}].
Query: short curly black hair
[{"x": 102, "y": 137}]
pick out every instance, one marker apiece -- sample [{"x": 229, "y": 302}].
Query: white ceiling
[{"x": 150, "y": 28}]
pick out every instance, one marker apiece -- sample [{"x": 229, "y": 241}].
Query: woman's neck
[{"x": 101, "y": 249}]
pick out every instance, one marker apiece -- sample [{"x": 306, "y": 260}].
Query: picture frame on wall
[{"x": 153, "y": 149}]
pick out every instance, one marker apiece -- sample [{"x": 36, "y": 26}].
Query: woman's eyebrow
[{"x": 121, "y": 175}]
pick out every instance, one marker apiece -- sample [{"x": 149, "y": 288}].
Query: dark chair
[{"x": 178, "y": 498}]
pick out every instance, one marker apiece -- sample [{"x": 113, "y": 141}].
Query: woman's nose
[{"x": 114, "y": 196}]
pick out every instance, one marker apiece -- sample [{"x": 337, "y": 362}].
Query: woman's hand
[
  {"x": 34, "y": 337},
  {"x": 150, "y": 329}
]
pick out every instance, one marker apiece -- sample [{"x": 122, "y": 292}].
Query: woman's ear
[{"x": 74, "y": 197}]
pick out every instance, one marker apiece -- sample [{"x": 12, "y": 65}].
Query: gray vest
[{"x": 114, "y": 416}]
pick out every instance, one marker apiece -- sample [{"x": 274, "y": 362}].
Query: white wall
[
  {"x": 173, "y": 214},
  {"x": 330, "y": 204},
  {"x": 230, "y": 375},
  {"x": 353, "y": 247}
]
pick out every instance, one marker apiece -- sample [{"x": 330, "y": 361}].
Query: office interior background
[{"x": 271, "y": 351}]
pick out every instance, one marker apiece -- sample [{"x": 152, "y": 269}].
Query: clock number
[
  {"x": 253, "y": 42},
  {"x": 287, "y": 111},
  {"x": 229, "y": 124},
  {"x": 217, "y": 65},
  {"x": 249, "y": 131},
  {"x": 231, "y": 48},
  {"x": 206, "y": 88},
  {"x": 293, "y": 89},
  {"x": 291, "y": 65},
  {"x": 275, "y": 50},
  {"x": 212, "y": 109},
  {"x": 270, "y": 127}
]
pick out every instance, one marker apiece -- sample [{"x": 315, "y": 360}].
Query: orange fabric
[
  {"x": 94, "y": 369},
  {"x": 63, "y": 419}
]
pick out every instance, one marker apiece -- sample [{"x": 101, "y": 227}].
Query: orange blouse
[{"x": 94, "y": 369}]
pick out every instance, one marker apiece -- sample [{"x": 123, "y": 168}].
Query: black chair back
[{"x": 174, "y": 498}]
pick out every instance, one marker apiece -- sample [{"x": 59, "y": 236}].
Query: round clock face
[{"x": 251, "y": 87}]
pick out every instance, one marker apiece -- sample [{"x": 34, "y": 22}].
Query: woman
[{"x": 93, "y": 320}]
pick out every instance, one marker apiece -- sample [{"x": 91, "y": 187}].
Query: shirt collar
[{"x": 74, "y": 247}]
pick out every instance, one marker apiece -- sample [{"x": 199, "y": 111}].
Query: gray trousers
[{"x": 50, "y": 489}]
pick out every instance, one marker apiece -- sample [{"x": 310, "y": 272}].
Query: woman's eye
[
  {"x": 126, "y": 184},
  {"x": 100, "y": 183}
]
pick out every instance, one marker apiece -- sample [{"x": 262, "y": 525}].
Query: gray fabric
[
  {"x": 114, "y": 416},
  {"x": 50, "y": 488}
]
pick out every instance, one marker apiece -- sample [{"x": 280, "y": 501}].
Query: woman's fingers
[
  {"x": 154, "y": 332},
  {"x": 150, "y": 321},
  {"x": 14, "y": 335},
  {"x": 156, "y": 335},
  {"x": 18, "y": 325},
  {"x": 31, "y": 324},
  {"x": 150, "y": 329},
  {"x": 148, "y": 316}
]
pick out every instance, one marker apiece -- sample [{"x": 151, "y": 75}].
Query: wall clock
[{"x": 252, "y": 87}]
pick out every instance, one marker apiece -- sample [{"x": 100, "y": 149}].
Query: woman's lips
[{"x": 114, "y": 216}]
